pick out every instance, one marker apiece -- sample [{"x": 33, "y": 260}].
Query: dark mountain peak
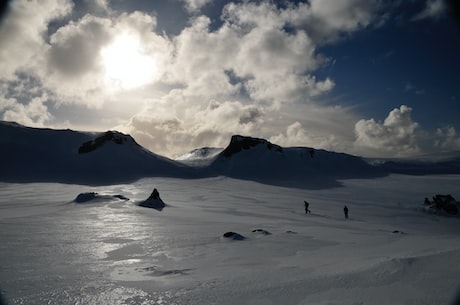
[
  {"x": 108, "y": 136},
  {"x": 239, "y": 143}
]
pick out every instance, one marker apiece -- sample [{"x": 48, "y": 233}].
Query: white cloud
[
  {"x": 296, "y": 135},
  {"x": 175, "y": 124},
  {"x": 75, "y": 70},
  {"x": 396, "y": 136},
  {"x": 35, "y": 113},
  {"x": 314, "y": 126},
  {"x": 327, "y": 21},
  {"x": 253, "y": 75},
  {"x": 195, "y": 5},
  {"x": 433, "y": 9},
  {"x": 447, "y": 139},
  {"x": 22, "y": 33},
  {"x": 270, "y": 63}
]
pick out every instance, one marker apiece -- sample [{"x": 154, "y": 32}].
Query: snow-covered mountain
[
  {"x": 200, "y": 156},
  {"x": 442, "y": 163},
  {"x": 259, "y": 160},
  {"x": 34, "y": 154}
]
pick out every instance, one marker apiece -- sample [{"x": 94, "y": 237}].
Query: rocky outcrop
[
  {"x": 233, "y": 236},
  {"x": 93, "y": 196},
  {"x": 108, "y": 136},
  {"x": 239, "y": 143},
  {"x": 154, "y": 201},
  {"x": 443, "y": 203}
]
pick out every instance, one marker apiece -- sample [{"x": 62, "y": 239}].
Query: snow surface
[{"x": 390, "y": 251}]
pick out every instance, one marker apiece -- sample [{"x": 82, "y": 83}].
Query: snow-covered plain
[{"x": 110, "y": 251}]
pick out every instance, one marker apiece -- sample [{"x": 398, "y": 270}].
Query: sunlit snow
[{"x": 56, "y": 251}]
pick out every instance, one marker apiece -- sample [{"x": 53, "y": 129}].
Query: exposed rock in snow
[
  {"x": 444, "y": 204},
  {"x": 233, "y": 236},
  {"x": 93, "y": 196},
  {"x": 154, "y": 201},
  {"x": 239, "y": 143},
  {"x": 261, "y": 231},
  {"x": 108, "y": 136}
]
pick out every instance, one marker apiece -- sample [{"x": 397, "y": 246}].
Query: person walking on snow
[
  {"x": 307, "y": 211},
  {"x": 345, "y": 211}
]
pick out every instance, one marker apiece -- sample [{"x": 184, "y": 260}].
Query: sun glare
[{"x": 125, "y": 63}]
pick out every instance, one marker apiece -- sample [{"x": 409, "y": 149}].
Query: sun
[{"x": 126, "y": 64}]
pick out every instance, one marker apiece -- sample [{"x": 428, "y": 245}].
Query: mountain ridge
[{"x": 63, "y": 155}]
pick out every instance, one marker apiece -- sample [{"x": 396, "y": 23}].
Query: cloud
[
  {"x": 434, "y": 9},
  {"x": 447, "y": 139},
  {"x": 269, "y": 63},
  {"x": 396, "y": 136},
  {"x": 314, "y": 126},
  {"x": 255, "y": 72},
  {"x": 328, "y": 20},
  {"x": 194, "y": 6},
  {"x": 65, "y": 56},
  {"x": 74, "y": 48},
  {"x": 22, "y": 32},
  {"x": 73, "y": 65},
  {"x": 175, "y": 125},
  {"x": 252, "y": 75},
  {"x": 34, "y": 113},
  {"x": 296, "y": 135}
]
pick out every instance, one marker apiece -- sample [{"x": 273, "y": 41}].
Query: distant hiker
[
  {"x": 345, "y": 211},
  {"x": 307, "y": 211}
]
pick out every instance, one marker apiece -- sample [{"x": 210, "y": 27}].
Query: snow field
[{"x": 55, "y": 251}]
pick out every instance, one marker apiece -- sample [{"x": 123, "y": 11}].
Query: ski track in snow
[{"x": 55, "y": 251}]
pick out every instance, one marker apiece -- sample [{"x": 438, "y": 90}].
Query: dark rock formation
[
  {"x": 93, "y": 196},
  {"x": 233, "y": 236},
  {"x": 261, "y": 231},
  {"x": 116, "y": 137},
  {"x": 154, "y": 201},
  {"x": 238, "y": 143},
  {"x": 445, "y": 203}
]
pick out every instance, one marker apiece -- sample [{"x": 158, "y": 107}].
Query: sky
[{"x": 366, "y": 77}]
